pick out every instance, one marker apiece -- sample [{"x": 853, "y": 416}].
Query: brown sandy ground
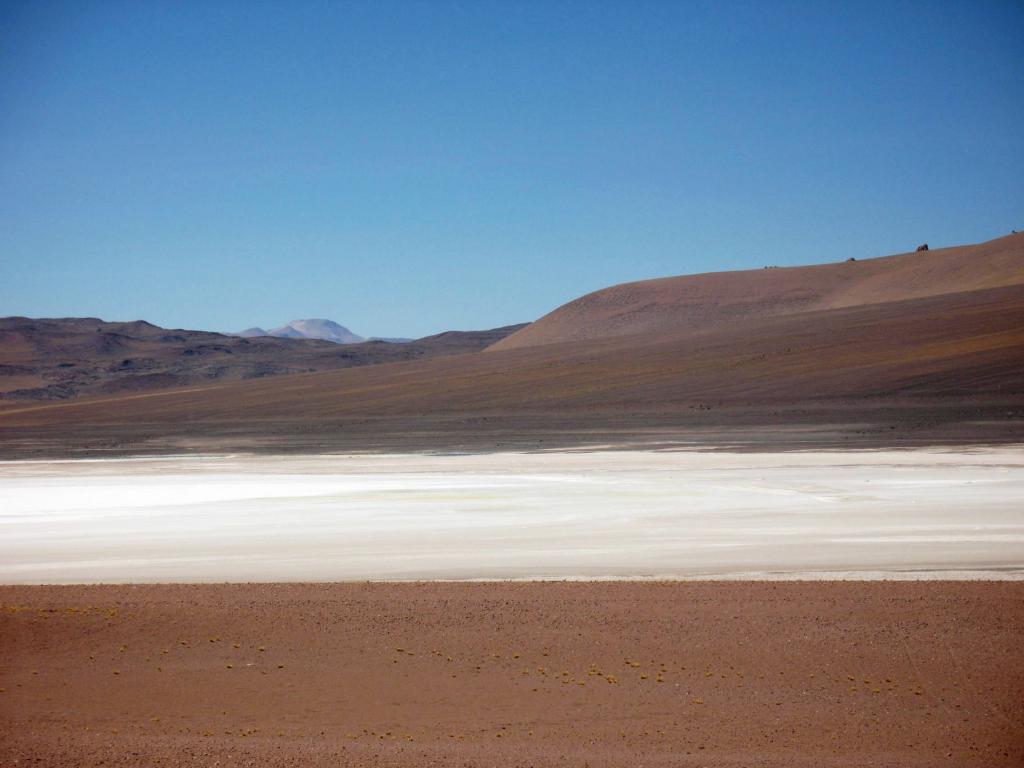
[{"x": 514, "y": 674}]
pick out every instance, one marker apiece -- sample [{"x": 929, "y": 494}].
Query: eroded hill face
[
  {"x": 703, "y": 301},
  {"x": 63, "y": 358}
]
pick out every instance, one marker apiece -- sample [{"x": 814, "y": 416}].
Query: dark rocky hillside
[{"x": 61, "y": 358}]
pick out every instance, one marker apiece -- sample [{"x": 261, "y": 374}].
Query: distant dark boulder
[{"x": 923, "y": 247}]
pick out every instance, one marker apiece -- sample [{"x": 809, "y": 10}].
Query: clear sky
[{"x": 406, "y": 168}]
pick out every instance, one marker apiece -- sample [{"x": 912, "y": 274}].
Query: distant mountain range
[
  {"x": 60, "y": 358},
  {"x": 324, "y": 330}
]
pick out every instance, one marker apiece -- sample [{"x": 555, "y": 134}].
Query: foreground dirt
[{"x": 531, "y": 674}]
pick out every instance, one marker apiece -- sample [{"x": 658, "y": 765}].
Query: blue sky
[{"x": 406, "y": 168}]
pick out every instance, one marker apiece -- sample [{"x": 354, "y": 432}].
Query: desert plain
[
  {"x": 764, "y": 518},
  {"x": 447, "y": 384},
  {"x": 920, "y": 673},
  {"x": 533, "y": 609}
]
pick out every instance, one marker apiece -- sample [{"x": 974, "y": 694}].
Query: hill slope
[
  {"x": 700, "y": 301},
  {"x": 929, "y": 370},
  {"x": 754, "y": 355}
]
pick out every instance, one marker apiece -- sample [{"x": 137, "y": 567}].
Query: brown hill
[
  {"x": 934, "y": 369},
  {"x": 920, "y": 348},
  {"x": 57, "y": 359},
  {"x": 699, "y": 301}
]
